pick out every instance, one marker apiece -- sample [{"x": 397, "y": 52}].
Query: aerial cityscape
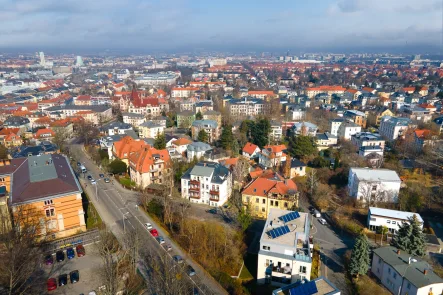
[{"x": 176, "y": 147}]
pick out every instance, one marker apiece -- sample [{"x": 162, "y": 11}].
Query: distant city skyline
[{"x": 408, "y": 26}]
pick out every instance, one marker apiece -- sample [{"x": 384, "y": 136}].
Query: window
[
  {"x": 373, "y": 219},
  {"x": 408, "y": 286},
  {"x": 393, "y": 222},
  {"x": 263, "y": 209},
  {"x": 395, "y": 275},
  {"x": 276, "y": 203},
  {"x": 264, "y": 201},
  {"x": 48, "y": 202},
  {"x": 388, "y": 221},
  {"x": 286, "y": 204},
  {"x": 389, "y": 270},
  {"x": 50, "y": 212},
  {"x": 257, "y": 200},
  {"x": 256, "y": 208},
  {"x": 267, "y": 248},
  {"x": 302, "y": 269},
  {"x": 2, "y": 179}
]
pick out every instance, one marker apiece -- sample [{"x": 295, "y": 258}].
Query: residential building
[
  {"x": 149, "y": 165},
  {"x": 17, "y": 122},
  {"x": 368, "y": 139},
  {"x": 185, "y": 119},
  {"x": 162, "y": 78},
  {"x": 373, "y": 185},
  {"x": 124, "y": 147},
  {"x": 246, "y": 107},
  {"x": 44, "y": 147},
  {"x": 203, "y": 106},
  {"x": 262, "y": 94},
  {"x": 392, "y": 127},
  {"x": 405, "y": 275},
  {"x": 115, "y": 128},
  {"x": 150, "y": 129},
  {"x": 321, "y": 286},
  {"x": 347, "y": 129},
  {"x": 284, "y": 256},
  {"x": 160, "y": 120},
  {"x": 47, "y": 184},
  {"x": 98, "y": 112},
  {"x": 335, "y": 124},
  {"x": 210, "y": 127},
  {"x": 133, "y": 118},
  {"x": 207, "y": 183},
  {"x": 330, "y": 90},
  {"x": 276, "y": 131},
  {"x": 296, "y": 114},
  {"x": 250, "y": 150},
  {"x": 304, "y": 128},
  {"x": 197, "y": 150},
  {"x": 392, "y": 219},
  {"x": 107, "y": 141},
  {"x": 424, "y": 137},
  {"x": 380, "y": 112},
  {"x": 181, "y": 144},
  {"x": 269, "y": 191},
  {"x": 183, "y": 92},
  {"x": 416, "y": 114},
  {"x": 297, "y": 168},
  {"x": 214, "y": 116},
  {"x": 272, "y": 156},
  {"x": 357, "y": 117},
  {"x": 325, "y": 140}
]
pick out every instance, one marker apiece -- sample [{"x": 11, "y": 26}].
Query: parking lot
[{"x": 88, "y": 267}]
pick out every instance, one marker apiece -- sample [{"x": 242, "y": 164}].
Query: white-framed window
[
  {"x": 302, "y": 269},
  {"x": 50, "y": 212},
  {"x": 267, "y": 248}
]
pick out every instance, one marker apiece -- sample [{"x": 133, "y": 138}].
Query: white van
[
  {"x": 83, "y": 169},
  {"x": 317, "y": 214}
]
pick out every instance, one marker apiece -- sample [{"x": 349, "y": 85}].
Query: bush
[
  {"x": 118, "y": 166},
  {"x": 347, "y": 225}
]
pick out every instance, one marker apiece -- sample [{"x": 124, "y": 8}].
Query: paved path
[{"x": 117, "y": 208}]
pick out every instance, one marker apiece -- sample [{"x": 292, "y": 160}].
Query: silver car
[{"x": 322, "y": 221}]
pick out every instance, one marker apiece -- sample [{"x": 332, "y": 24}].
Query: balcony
[
  {"x": 214, "y": 198},
  {"x": 194, "y": 182},
  {"x": 194, "y": 196},
  {"x": 282, "y": 270},
  {"x": 215, "y": 193},
  {"x": 194, "y": 188}
]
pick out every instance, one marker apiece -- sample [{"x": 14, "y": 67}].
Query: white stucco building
[
  {"x": 347, "y": 129},
  {"x": 375, "y": 185},
  {"x": 392, "y": 219},
  {"x": 284, "y": 256},
  {"x": 207, "y": 183},
  {"x": 391, "y": 127}
]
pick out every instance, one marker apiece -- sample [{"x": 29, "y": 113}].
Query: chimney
[
  {"x": 425, "y": 271},
  {"x": 398, "y": 251}
]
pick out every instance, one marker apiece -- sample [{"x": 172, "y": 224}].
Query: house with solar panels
[
  {"x": 319, "y": 286},
  {"x": 284, "y": 256}
]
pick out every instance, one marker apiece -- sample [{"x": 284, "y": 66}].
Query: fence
[{"x": 83, "y": 238}]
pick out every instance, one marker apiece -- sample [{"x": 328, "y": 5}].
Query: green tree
[
  {"x": 118, "y": 166},
  {"x": 359, "y": 263},
  {"x": 226, "y": 138},
  {"x": 202, "y": 136},
  {"x": 410, "y": 237},
  {"x": 3, "y": 152},
  {"x": 260, "y": 132},
  {"x": 198, "y": 116},
  {"x": 244, "y": 218},
  {"x": 320, "y": 162},
  {"x": 383, "y": 230},
  {"x": 160, "y": 141},
  {"x": 302, "y": 146},
  {"x": 235, "y": 148}
]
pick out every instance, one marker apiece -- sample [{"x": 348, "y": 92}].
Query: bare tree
[
  {"x": 60, "y": 138},
  {"x": 240, "y": 169},
  {"x": 371, "y": 194},
  {"x": 21, "y": 230},
  {"x": 86, "y": 131}
]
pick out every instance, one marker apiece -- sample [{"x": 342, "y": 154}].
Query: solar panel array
[
  {"x": 308, "y": 288},
  {"x": 279, "y": 231},
  {"x": 290, "y": 216}
]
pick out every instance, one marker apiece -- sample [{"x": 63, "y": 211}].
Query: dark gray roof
[
  {"x": 413, "y": 272},
  {"x": 26, "y": 151},
  {"x": 297, "y": 163},
  {"x": 15, "y": 121},
  {"x": 94, "y": 108},
  {"x": 218, "y": 172},
  {"x": 116, "y": 124},
  {"x": 133, "y": 115}
]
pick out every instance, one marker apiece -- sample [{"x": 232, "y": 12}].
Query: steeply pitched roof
[
  {"x": 263, "y": 186},
  {"x": 143, "y": 159},
  {"x": 250, "y": 148}
]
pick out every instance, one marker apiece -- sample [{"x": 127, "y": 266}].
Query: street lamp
[{"x": 124, "y": 224}]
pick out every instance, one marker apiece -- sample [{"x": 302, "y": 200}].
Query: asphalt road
[{"x": 117, "y": 208}]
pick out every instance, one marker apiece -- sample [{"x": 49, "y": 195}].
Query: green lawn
[
  {"x": 245, "y": 275},
  {"x": 92, "y": 217},
  {"x": 126, "y": 181}
]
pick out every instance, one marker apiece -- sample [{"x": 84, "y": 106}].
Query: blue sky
[{"x": 220, "y": 25}]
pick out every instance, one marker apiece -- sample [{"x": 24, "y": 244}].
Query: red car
[
  {"x": 80, "y": 250},
  {"x": 154, "y": 232},
  {"x": 52, "y": 284}
]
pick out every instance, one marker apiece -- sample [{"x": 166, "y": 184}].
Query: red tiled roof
[
  {"x": 144, "y": 158},
  {"x": 182, "y": 141},
  {"x": 422, "y": 133},
  {"x": 249, "y": 148},
  {"x": 326, "y": 88},
  {"x": 263, "y": 186}
]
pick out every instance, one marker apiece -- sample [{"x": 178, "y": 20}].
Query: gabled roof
[
  {"x": 250, "y": 148},
  {"x": 127, "y": 145},
  {"x": 143, "y": 159},
  {"x": 263, "y": 186},
  {"x": 182, "y": 141},
  {"x": 422, "y": 133}
]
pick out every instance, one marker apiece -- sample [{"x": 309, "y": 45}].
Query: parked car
[
  {"x": 51, "y": 284},
  {"x": 89, "y": 177},
  {"x": 60, "y": 256},
  {"x": 49, "y": 259},
  {"x": 322, "y": 221},
  {"x": 212, "y": 211},
  {"x": 167, "y": 247},
  {"x": 101, "y": 175},
  {"x": 80, "y": 251},
  {"x": 106, "y": 180},
  {"x": 93, "y": 182},
  {"x": 154, "y": 232},
  {"x": 74, "y": 276},
  {"x": 79, "y": 164},
  {"x": 160, "y": 240},
  {"x": 148, "y": 226},
  {"x": 177, "y": 258},
  {"x": 316, "y": 214},
  {"x": 70, "y": 253},
  {"x": 62, "y": 279},
  {"x": 190, "y": 271}
]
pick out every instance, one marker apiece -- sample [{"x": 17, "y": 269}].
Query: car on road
[
  {"x": 74, "y": 276},
  {"x": 49, "y": 259},
  {"x": 51, "y": 284},
  {"x": 106, "y": 180},
  {"x": 322, "y": 221},
  {"x": 190, "y": 271},
  {"x": 70, "y": 253},
  {"x": 177, "y": 258},
  {"x": 60, "y": 256},
  {"x": 80, "y": 251},
  {"x": 62, "y": 279},
  {"x": 212, "y": 211},
  {"x": 93, "y": 182},
  {"x": 167, "y": 247},
  {"x": 316, "y": 214},
  {"x": 154, "y": 232},
  {"x": 79, "y": 164},
  {"x": 148, "y": 226},
  {"x": 101, "y": 175},
  {"x": 160, "y": 240},
  {"x": 89, "y": 177}
]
